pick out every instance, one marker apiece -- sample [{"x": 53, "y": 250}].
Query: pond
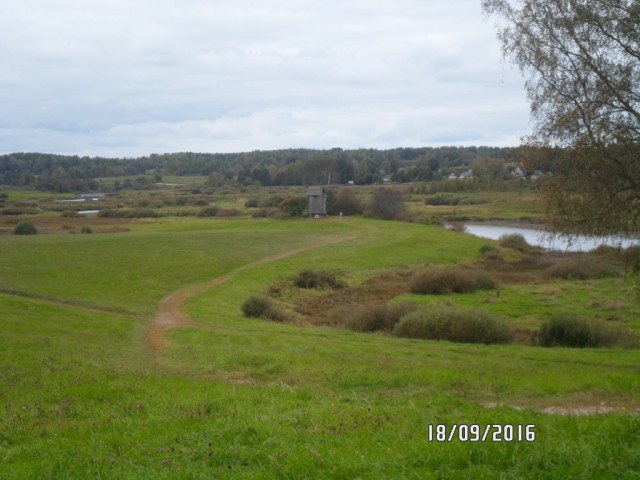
[{"x": 542, "y": 238}]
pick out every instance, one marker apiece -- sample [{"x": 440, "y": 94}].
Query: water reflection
[{"x": 546, "y": 240}]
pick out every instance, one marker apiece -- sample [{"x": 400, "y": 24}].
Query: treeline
[{"x": 276, "y": 167}]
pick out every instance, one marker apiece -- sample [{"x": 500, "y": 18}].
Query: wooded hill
[{"x": 64, "y": 173}]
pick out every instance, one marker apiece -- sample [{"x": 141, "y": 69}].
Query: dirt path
[{"x": 170, "y": 314}]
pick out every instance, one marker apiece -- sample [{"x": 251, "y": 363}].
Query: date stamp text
[{"x": 463, "y": 432}]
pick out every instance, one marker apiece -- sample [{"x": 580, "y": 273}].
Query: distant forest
[{"x": 62, "y": 173}]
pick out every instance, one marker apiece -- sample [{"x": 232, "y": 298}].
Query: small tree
[
  {"x": 582, "y": 62},
  {"x": 386, "y": 203},
  {"x": 294, "y": 206},
  {"x": 345, "y": 201},
  {"x": 25, "y": 227}
]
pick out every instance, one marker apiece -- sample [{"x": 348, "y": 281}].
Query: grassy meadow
[{"x": 83, "y": 394}]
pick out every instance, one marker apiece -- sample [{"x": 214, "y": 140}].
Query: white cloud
[{"x": 128, "y": 78}]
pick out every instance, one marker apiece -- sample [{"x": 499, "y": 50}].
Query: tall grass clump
[
  {"x": 463, "y": 325},
  {"x": 377, "y": 317},
  {"x": 514, "y": 241},
  {"x": 446, "y": 280},
  {"x": 260, "y": 306},
  {"x": 584, "y": 268},
  {"x": 309, "y": 278},
  {"x": 564, "y": 331},
  {"x": 25, "y": 227},
  {"x": 490, "y": 252},
  {"x": 631, "y": 258}
]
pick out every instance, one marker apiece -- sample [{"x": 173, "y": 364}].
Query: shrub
[
  {"x": 386, "y": 204},
  {"x": 569, "y": 332},
  {"x": 514, "y": 241},
  {"x": 446, "y": 280},
  {"x": 260, "y": 306},
  {"x": 345, "y": 202},
  {"x": 25, "y": 227},
  {"x": 228, "y": 212},
  {"x": 441, "y": 199},
  {"x": 455, "y": 325},
  {"x": 631, "y": 258},
  {"x": 266, "y": 212},
  {"x": 584, "y": 268},
  {"x": 129, "y": 213},
  {"x": 208, "y": 212},
  {"x": 69, "y": 213},
  {"x": 378, "y": 317},
  {"x": 271, "y": 201},
  {"x": 86, "y": 229},
  {"x": 459, "y": 227},
  {"x": 251, "y": 203},
  {"x": 294, "y": 206},
  {"x": 490, "y": 252},
  {"x": 308, "y": 278}
]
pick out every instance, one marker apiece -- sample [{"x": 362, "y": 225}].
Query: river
[{"x": 547, "y": 240}]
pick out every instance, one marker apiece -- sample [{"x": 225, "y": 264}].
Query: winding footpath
[{"x": 170, "y": 313}]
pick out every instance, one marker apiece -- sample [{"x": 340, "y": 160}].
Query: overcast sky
[{"x": 134, "y": 77}]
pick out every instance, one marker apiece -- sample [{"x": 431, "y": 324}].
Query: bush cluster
[
  {"x": 631, "y": 258},
  {"x": 129, "y": 213},
  {"x": 260, "y": 306},
  {"x": 267, "y": 212},
  {"x": 376, "y": 317},
  {"x": 445, "y": 280},
  {"x": 309, "y": 278},
  {"x": 514, "y": 241},
  {"x": 448, "y": 199},
  {"x": 565, "y": 331},
  {"x": 208, "y": 212},
  {"x": 387, "y": 204},
  {"x": 455, "y": 325},
  {"x": 25, "y": 227},
  {"x": 490, "y": 252},
  {"x": 584, "y": 268}
]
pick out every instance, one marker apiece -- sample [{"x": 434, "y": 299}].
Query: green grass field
[{"x": 83, "y": 394}]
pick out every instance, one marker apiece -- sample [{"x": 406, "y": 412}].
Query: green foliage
[
  {"x": 445, "y": 280},
  {"x": 581, "y": 60},
  {"x": 514, "y": 241},
  {"x": 129, "y": 213},
  {"x": 566, "y": 331},
  {"x": 449, "y": 199},
  {"x": 375, "y": 317},
  {"x": 260, "y": 306},
  {"x": 455, "y": 325},
  {"x": 309, "y": 278},
  {"x": 208, "y": 212},
  {"x": 294, "y": 206},
  {"x": 631, "y": 258},
  {"x": 584, "y": 268},
  {"x": 490, "y": 252},
  {"x": 25, "y": 227},
  {"x": 251, "y": 203},
  {"x": 387, "y": 204},
  {"x": 344, "y": 201}
]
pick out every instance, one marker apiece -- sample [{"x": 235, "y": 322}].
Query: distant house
[
  {"x": 452, "y": 176},
  {"x": 468, "y": 175},
  {"x": 518, "y": 173},
  {"x": 317, "y": 206}
]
